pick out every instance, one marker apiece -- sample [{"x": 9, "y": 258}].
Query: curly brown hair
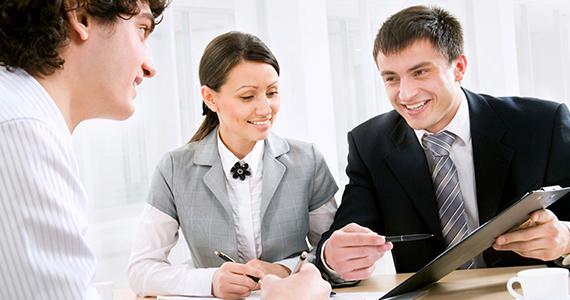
[{"x": 32, "y": 32}]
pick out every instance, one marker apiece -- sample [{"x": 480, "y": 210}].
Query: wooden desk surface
[{"x": 488, "y": 284}]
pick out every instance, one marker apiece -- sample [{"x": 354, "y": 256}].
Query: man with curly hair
[{"x": 62, "y": 62}]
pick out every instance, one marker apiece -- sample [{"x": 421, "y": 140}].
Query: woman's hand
[
  {"x": 230, "y": 280},
  {"x": 269, "y": 268}
]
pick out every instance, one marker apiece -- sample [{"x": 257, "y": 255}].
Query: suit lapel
[
  {"x": 408, "y": 163},
  {"x": 491, "y": 159},
  {"x": 207, "y": 155},
  {"x": 273, "y": 170}
]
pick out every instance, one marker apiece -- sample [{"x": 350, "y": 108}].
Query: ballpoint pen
[
  {"x": 229, "y": 259},
  {"x": 408, "y": 237},
  {"x": 300, "y": 262}
]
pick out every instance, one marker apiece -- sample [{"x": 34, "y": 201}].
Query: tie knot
[{"x": 439, "y": 143}]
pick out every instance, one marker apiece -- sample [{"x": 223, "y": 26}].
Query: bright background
[{"x": 328, "y": 85}]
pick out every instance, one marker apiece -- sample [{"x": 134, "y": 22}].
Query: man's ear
[
  {"x": 208, "y": 97},
  {"x": 79, "y": 22},
  {"x": 459, "y": 68}
]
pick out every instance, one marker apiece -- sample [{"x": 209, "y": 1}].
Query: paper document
[
  {"x": 254, "y": 295},
  {"x": 257, "y": 295},
  {"x": 357, "y": 296}
]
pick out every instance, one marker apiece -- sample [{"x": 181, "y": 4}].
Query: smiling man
[
  {"x": 445, "y": 160},
  {"x": 62, "y": 62}
]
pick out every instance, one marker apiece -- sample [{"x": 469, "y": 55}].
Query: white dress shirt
[
  {"x": 158, "y": 234},
  {"x": 462, "y": 156},
  {"x": 43, "y": 206},
  {"x": 245, "y": 199}
]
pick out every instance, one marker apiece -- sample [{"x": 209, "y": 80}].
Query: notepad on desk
[{"x": 254, "y": 295}]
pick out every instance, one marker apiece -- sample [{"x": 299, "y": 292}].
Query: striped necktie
[{"x": 447, "y": 190}]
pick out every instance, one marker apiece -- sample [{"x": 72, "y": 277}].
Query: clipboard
[{"x": 480, "y": 239}]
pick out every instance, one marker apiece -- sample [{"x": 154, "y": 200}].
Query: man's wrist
[
  {"x": 325, "y": 265},
  {"x": 330, "y": 275},
  {"x": 565, "y": 261}
]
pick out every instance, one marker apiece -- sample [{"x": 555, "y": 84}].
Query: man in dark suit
[{"x": 497, "y": 149}]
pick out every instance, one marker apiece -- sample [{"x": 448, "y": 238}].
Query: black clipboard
[{"x": 480, "y": 239}]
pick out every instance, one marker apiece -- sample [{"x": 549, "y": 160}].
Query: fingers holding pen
[
  {"x": 231, "y": 280},
  {"x": 353, "y": 250}
]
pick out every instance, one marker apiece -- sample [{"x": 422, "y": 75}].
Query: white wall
[{"x": 329, "y": 84}]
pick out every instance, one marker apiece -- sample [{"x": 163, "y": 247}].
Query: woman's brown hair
[{"x": 221, "y": 55}]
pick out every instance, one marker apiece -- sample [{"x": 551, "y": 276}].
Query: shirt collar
[
  {"x": 459, "y": 125},
  {"x": 253, "y": 159},
  {"x": 39, "y": 103}
]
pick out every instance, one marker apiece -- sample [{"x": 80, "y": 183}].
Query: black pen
[
  {"x": 229, "y": 259},
  {"x": 300, "y": 262},
  {"x": 406, "y": 238}
]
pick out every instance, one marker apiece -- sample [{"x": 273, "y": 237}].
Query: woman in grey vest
[{"x": 235, "y": 188}]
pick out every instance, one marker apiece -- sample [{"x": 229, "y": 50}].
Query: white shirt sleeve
[
  {"x": 149, "y": 271},
  {"x": 320, "y": 221},
  {"x": 151, "y": 274},
  {"x": 333, "y": 276},
  {"x": 566, "y": 257}
]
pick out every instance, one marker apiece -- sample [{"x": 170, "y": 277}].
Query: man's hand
[
  {"x": 352, "y": 251},
  {"x": 230, "y": 280},
  {"x": 543, "y": 237},
  {"x": 305, "y": 285}
]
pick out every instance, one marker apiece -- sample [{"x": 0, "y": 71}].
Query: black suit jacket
[{"x": 519, "y": 144}]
